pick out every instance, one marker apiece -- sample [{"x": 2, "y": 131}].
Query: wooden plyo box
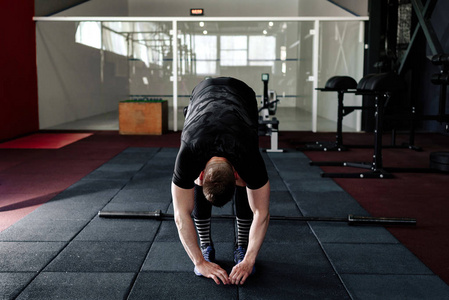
[{"x": 143, "y": 117}]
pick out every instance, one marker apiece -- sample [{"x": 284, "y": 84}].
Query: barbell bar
[{"x": 350, "y": 219}]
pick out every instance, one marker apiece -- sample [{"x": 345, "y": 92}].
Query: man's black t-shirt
[{"x": 221, "y": 120}]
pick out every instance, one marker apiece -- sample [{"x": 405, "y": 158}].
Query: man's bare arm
[
  {"x": 259, "y": 201},
  {"x": 183, "y": 203}
]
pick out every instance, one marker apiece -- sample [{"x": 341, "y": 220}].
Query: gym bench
[
  {"x": 342, "y": 85},
  {"x": 382, "y": 87}
]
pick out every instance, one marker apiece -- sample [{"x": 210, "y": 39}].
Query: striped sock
[
  {"x": 243, "y": 226},
  {"x": 203, "y": 229}
]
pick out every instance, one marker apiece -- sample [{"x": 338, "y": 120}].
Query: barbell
[{"x": 350, "y": 219}]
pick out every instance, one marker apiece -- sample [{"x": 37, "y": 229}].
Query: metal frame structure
[{"x": 423, "y": 13}]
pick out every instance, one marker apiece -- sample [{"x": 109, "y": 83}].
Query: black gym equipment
[
  {"x": 423, "y": 14},
  {"x": 351, "y": 219},
  {"x": 345, "y": 85},
  {"x": 441, "y": 79},
  {"x": 439, "y": 161},
  {"x": 382, "y": 87},
  {"x": 267, "y": 126},
  {"x": 342, "y": 85}
]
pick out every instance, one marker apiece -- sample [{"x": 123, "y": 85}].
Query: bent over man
[{"x": 219, "y": 157}]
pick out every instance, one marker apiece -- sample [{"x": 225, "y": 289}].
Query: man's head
[{"x": 218, "y": 181}]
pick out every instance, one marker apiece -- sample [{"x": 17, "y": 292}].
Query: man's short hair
[{"x": 219, "y": 183}]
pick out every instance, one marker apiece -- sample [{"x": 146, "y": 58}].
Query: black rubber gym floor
[{"x": 63, "y": 250}]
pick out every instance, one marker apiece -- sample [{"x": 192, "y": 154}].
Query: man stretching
[{"x": 219, "y": 157}]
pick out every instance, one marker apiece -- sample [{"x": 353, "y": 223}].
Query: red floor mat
[
  {"x": 15, "y": 207},
  {"x": 418, "y": 195},
  {"x": 44, "y": 141}
]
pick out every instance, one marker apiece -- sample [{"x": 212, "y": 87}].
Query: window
[
  {"x": 115, "y": 42},
  {"x": 206, "y": 54},
  {"x": 89, "y": 34},
  {"x": 233, "y": 50},
  {"x": 262, "y": 50},
  {"x": 140, "y": 51}
]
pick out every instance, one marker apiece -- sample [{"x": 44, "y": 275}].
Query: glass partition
[
  {"x": 340, "y": 54},
  {"x": 86, "y": 67},
  {"x": 245, "y": 50},
  {"x": 150, "y": 55}
]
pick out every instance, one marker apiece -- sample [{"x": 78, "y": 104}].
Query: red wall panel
[{"x": 18, "y": 74}]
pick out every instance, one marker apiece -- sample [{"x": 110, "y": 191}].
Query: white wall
[
  {"x": 322, "y": 8},
  {"x": 98, "y": 8},
  {"x": 357, "y": 7},
  {"x": 213, "y": 8},
  {"x": 49, "y": 7}
]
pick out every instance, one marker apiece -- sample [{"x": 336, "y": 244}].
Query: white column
[
  {"x": 316, "y": 40},
  {"x": 175, "y": 75},
  {"x": 361, "y": 57}
]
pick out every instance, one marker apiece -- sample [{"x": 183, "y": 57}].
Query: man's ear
[
  {"x": 199, "y": 180},
  {"x": 238, "y": 180}
]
